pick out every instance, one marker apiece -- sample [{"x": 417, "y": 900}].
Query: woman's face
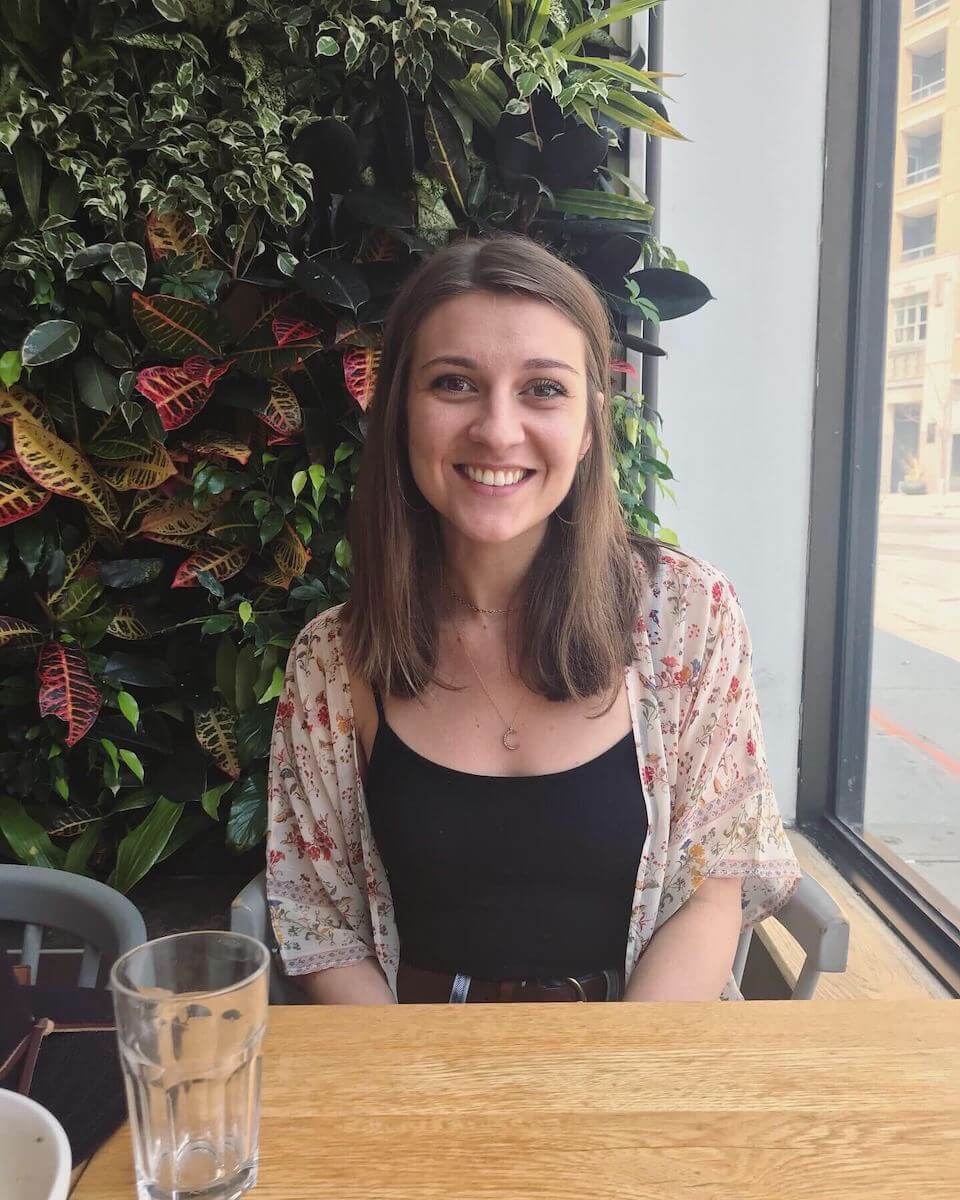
[{"x": 497, "y": 414}]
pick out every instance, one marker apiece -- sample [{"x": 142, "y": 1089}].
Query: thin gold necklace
[
  {"x": 490, "y": 612},
  {"x": 511, "y": 738}
]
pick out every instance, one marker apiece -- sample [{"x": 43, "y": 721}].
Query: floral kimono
[{"x": 702, "y": 776}]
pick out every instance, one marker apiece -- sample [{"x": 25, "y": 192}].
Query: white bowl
[{"x": 34, "y": 1151}]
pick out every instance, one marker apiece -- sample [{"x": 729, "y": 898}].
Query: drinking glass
[{"x": 191, "y": 1013}]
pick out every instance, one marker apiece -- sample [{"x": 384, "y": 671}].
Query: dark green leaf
[
  {"x": 212, "y": 796},
  {"x": 49, "y": 341},
  {"x": 141, "y": 672},
  {"x": 29, "y": 159},
  {"x": 96, "y": 383},
  {"x": 141, "y": 848},
  {"x": 247, "y": 823},
  {"x": 112, "y": 349},
  {"x": 254, "y": 729},
  {"x": 27, "y": 839},
  {"x": 334, "y": 282},
  {"x": 78, "y": 855},
  {"x": 129, "y": 572}
]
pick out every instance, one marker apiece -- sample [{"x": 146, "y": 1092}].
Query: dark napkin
[{"x": 77, "y": 1074}]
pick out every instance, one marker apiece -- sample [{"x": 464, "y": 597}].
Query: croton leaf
[
  {"x": 216, "y": 730},
  {"x": 14, "y": 632},
  {"x": 140, "y": 474},
  {"x": 9, "y": 463},
  {"x": 215, "y": 444},
  {"x": 67, "y": 690},
  {"x": 176, "y": 519},
  {"x": 128, "y": 626},
  {"x": 174, "y": 326},
  {"x": 379, "y": 246},
  {"x": 175, "y": 233},
  {"x": 177, "y": 394},
  {"x": 55, "y": 465},
  {"x": 289, "y": 552},
  {"x": 114, "y": 441},
  {"x": 18, "y": 402},
  {"x": 20, "y": 499},
  {"x": 75, "y": 599},
  {"x": 288, "y": 329},
  {"x": 360, "y": 369},
  {"x": 222, "y": 562},
  {"x": 282, "y": 411},
  {"x": 274, "y": 577}
]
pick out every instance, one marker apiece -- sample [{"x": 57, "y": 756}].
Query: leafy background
[{"x": 206, "y": 208}]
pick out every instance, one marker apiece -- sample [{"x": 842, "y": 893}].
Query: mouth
[{"x": 488, "y": 482}]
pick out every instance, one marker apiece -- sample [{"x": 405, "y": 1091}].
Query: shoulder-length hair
[{"x": 573, "y": 635}]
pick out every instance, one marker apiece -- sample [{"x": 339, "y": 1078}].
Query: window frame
[
  {"x": 920, "y": 301},
  {"x": 854, "y": 260}
]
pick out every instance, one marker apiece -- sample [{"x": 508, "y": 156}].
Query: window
[
  {"x": 922, "y": 7},
  {"x": 923, "y": 157},
  {"x": 910, "y": 320},
  {"x": 879, "y": 765},
  {"x": 919, "y": 236},
  {"x": 929, "y": 74}
]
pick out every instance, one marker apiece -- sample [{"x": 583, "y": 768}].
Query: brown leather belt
[{"x": 416, "y": 985}]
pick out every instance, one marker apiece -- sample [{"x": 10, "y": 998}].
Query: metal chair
[
  {"x": 811, "y": 916},
  {"x": 43, "y": 898}
]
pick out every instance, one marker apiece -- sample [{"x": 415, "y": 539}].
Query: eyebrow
[{"x": 536, "y": 364}]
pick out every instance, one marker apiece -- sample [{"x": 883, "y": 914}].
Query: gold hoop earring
[{"x": 402, "y": 496}]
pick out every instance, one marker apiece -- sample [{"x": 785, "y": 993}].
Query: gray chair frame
[
  {"x": 42, "y": 898},
  {"x": 811, "y": 916}
]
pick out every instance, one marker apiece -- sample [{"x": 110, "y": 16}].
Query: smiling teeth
[{"x": 494, "y": 478}]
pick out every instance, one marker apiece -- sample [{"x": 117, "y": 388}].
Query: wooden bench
[{"x": 880, "y": 966}]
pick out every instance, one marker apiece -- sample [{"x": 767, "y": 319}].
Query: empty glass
[{"x": 191, "y": 1013}]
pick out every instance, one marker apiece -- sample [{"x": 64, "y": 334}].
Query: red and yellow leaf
[
  {"x": 175, "y": 233},
  {"x": 18, "y": 402},
  {"x": 273, "y": 577},
  {"x": 216, "y": 730},
  {"x": 360, "y": 370},
  {"x": 141, "y": 474},
  {"x": 175, "y": 518},
  {"x": 282, "y": 411},
  {"x": 288, "y": 329},
  {"x": 214, "y": 444},
  {"x": 127, "y": 626},
  {"x": 174, "y": 326},
  {"x": 55, "y": 465},
  {"x": 20, "y": 498},
  {"x": 378, "y": 246},
  {"x": 223, "y": 562},
  {"x": 177, "y": 395},
  {"x": 66, "y": 689},
  {"x": 14, "y": 632},
  {"x": 289, "y": 552}
]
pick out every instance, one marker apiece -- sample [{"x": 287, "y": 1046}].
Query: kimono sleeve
[
  {"x": 317, "y": 906},
  {"x": 725, "y": 821}
]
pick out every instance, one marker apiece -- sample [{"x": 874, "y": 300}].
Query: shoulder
[
  {"x": 318, "y": 647},
  {"x": 687, "y": 604}
]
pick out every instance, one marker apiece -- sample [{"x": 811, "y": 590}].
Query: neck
[{"x": 489, "y": 575}]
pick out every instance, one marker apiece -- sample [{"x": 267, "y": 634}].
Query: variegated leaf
[
  {"x": 175, "y": 233},
  {"x": 19, "y": 498},
  {"x": 55, "y": 465},
  {"x": 289, "y": 552},
  {"x": 288, "y": 330},
  {"x": 222, "y": 562},
  {"x": 282, "y": 411},
  {"x": 76, "y": 597},
  {"x": 177, "y": 395},
  {"x": 9, "y": 463},
  {"x": 273, "y": 577},
  {"x": 360, "y": 369},
  {"x": 140, "y": 474},
  {"x": 18, "y": 402},
  {"x": 216, "y": 730},
  {"x": 176, "y": 519},
  {"x": 175, "y": 327},
  {"x": 214, "y": 444},
  {"x": 128, "y": 626},
  {"x": 113, "y": 441},
  {"x": 66, "y": 689},
  {"x": 14, "y": 632}
]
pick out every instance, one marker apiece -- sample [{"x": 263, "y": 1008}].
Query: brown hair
[{"x": 574, "y": 634}]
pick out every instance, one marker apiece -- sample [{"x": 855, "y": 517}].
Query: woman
[{"x": 524, "y": 760}]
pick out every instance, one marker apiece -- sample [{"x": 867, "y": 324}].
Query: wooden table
[{"x": 759, "y": 1101}]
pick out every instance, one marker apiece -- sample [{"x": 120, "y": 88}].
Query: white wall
[{"x": 741, "y": 204}]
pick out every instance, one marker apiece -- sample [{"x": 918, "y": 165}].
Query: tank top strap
[{"x": 379, "y": 702}]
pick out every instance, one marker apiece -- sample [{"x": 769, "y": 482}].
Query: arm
[
  {"x": 691, "y": 955},
  {"x": 361, "y": 983}
]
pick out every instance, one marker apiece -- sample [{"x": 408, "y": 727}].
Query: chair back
[{"x": 42, "y": 898}]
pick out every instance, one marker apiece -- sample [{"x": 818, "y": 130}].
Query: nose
[{"x": 498, "y": 423}]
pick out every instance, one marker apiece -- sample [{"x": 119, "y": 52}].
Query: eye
[
  {"x": 449, "y": 383},
  {"x": 557, "y": 389}
]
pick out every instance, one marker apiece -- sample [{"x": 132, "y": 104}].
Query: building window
[
  {"x": 919, "y": 236},
  {"x": 923, "y": 156},
  {"x": 922, "y": 7},
  {"x": 910, "y": 320},
  {"x": 929, "y": 74}
]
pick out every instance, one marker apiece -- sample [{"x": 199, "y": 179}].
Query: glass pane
[{"x": 912, "y": 796}]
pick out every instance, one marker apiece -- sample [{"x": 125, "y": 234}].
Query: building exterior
[{"x": 921, "y": 401}]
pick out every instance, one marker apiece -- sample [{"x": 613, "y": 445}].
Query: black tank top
[{"x": 508, "y": 877}]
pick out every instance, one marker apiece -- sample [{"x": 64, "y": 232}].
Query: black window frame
[{"x": 854, "y": 261}]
